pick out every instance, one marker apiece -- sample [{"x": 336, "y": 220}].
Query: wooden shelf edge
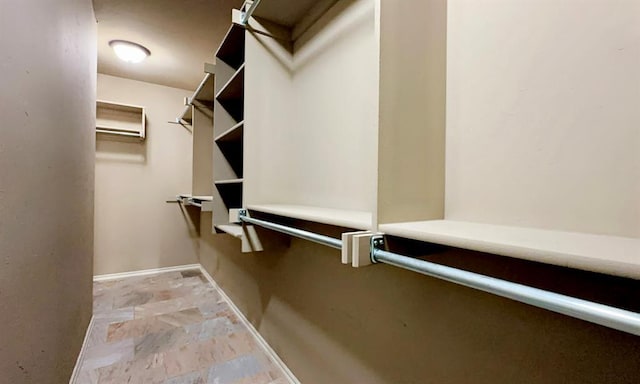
[
  {"x": 338, "y": 217},
  {"x": 230, "y": 81},
  {"x": 611, "y": 255},
  {"x": 221, "y": 136},
  {"x": 221, "y": 52},
  {"x": 232, "y": 229}
]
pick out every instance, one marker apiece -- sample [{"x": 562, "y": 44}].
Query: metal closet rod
[
  {"x": 311, "y": 236},
  {"x": 607, "y": 316}
]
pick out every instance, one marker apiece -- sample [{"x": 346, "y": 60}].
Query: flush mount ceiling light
[{"x": 128, "y": 51}]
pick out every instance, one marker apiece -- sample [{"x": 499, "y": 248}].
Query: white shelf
[
  {"x": 186, "y": 115},
  {"x": 605, "y": 254},
  {"x": 200, "y": 198},
  {"x": 120, "y": 119},
  {"x": 204, "y": 92},
  {"x": 339, "y": 217},
  {"x": 232, "y": 229},
  {"x": 232, "y": 134},
  {"x": 233, "y": 88}
]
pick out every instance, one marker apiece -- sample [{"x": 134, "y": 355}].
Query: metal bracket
[
  {"x": 242, "y": 213},
  {"x": 246, "y": 13},
  {"x": 377, "y": 242}
]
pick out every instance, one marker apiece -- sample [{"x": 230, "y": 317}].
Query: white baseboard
[
  {"x": 261, "y": 341},
  {"x": 145, "y": 272},
  {"x": 80, "y": 359}
]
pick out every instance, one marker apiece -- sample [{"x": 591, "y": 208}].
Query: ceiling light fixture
[{"x": 128, "y": 51}]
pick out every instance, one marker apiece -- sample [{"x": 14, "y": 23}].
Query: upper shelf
[
  {"x": 186, "y": 115},
  {"x": 231, "y": 51},
  {"x": 605, "y": 254},
  {"x": 120, "y": 119},
  {"x": 339, "y": 217},
  {"x": 290, "y": 13}
]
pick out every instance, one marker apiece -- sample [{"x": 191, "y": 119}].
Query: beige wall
[
  {"x": 542, "y": 114},
  {"x": 47, "y": 109},
  {"x": 134, "y": 227}
]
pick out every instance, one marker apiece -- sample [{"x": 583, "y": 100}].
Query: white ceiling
[{"x": 181, "y": 34}]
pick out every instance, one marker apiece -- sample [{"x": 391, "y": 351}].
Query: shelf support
[
  {"x": 607, "y": 316},
  {"x": 246, "y": 14}
]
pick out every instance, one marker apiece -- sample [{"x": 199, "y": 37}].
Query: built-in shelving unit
[
  {"x": 232, "y": 135},
  {"x": 365, "y": 132},
  {"x": 120, "y": 119},
  {"x": 228, "y": 157},
  {"x": 311, "y": 112}
]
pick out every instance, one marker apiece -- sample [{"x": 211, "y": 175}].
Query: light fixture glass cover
[{"x": 128, "y": 51}]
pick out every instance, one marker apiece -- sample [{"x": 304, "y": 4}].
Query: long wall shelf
[
  {"x": 120, "y": 119},
  {"x": 204, "y": 93},
  {"x": 605, "y": 254},
  {"x": 339, "y": 217}
]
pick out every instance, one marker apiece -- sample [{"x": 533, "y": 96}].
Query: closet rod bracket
[
  {"x": 377, "y": 242},
  {"x": 246, "y": 13}
]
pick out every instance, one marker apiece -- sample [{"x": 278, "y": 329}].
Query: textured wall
[
  {"x": 134, "y": 227},
  {"x": 542, "y": 114},
  {"x": 47, "y": 105}
]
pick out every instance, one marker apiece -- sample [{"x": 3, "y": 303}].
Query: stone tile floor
[{"x": 170, "y": 328}]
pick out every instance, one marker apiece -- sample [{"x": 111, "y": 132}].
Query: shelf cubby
[
  {"x": 338, "y": 217},
  {"x": 231, "y": 95},
  {"x": 231, "y": 51},
  {"x": 231, "y": 135},
  {"x": 228, "y": 156}
]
